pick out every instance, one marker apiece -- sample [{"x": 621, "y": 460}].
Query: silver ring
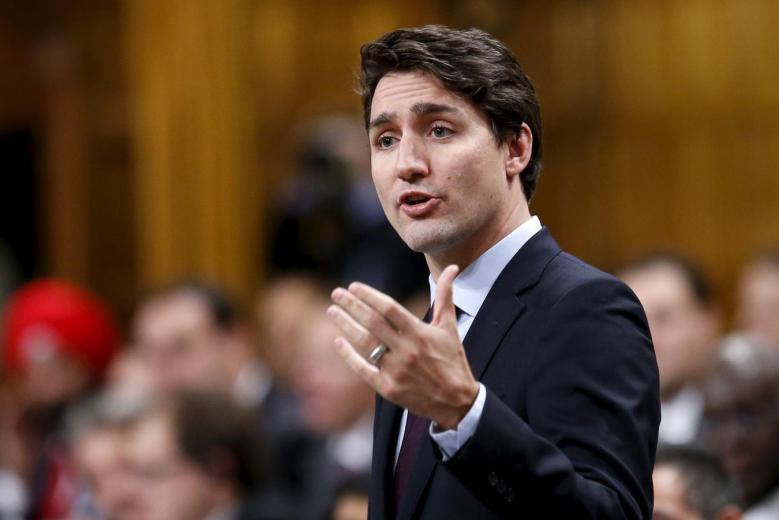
[{"x": 377, "y": 354}]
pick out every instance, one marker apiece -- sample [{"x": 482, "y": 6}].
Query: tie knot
[{"x": 458, "y": 312}]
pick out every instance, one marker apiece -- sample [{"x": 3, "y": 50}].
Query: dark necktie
[
  {"x": 415, "y": 429},
  {"x": 412, "y": 436}
]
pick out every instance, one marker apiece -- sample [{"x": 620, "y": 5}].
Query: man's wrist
[
  {"x": 451, "y": 441},
  {"x": 460, "y": 410}
]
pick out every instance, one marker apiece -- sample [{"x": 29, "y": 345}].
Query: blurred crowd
[
  {"x": 203, "y": 408},
  {"x": 719, "y": 434}
]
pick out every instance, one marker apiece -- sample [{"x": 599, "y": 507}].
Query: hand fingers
[
  {"x": 366, "y": 317},
  {"x": 394, "y": 313},
  {"x": 363, "y": 340},
  {"x": 367, "y": 372},
  {"x": 443, "y": 310}
]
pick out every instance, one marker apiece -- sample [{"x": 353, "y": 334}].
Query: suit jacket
[{"x": 569, "y": 426}]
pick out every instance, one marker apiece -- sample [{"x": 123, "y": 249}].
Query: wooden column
[{"x": 193, "y": 121}]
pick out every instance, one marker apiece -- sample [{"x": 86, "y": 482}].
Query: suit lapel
[
  {"x": 504, "y": 303},
  {"x": 500, "y": 309}
]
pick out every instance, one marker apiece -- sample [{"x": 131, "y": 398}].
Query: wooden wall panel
[
  {"x": 671, "y": 141},
  {"x": 194, "y": 139},
  {"x": 661, "y": 124}
]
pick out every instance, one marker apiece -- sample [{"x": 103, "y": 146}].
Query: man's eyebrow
[
  {"x": 384, "y": 117},
  {"x": 418, "y": 109},
  {"x": 431, "y": 108}
]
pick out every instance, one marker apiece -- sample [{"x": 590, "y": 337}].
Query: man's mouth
[
  {"x": 415, "y": 199},
  {"x": 417, "y": 204}
]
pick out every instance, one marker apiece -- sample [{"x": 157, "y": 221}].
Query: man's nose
[{"x": 411, "y": 158}]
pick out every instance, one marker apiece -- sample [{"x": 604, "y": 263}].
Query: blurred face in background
[
  {"x": 741, "y": 424},
  {"x": 757, "y": 308},
  {"x": 100, "y": 458},
  {"x": 278, "y": 311},
  {"x": 177, "y": 338},
  {"x": 670, "y": 500},
  {"x": 170, "y": 487},
  {"x": 332, "y": 396},
  {"x": 684, "y": 332},
  {"x": 51, "y": 381}
]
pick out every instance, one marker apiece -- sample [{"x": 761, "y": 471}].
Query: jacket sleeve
[{"x": 585, "y": 445}]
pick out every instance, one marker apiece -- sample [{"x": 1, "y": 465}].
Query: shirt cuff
[{"x": 450, "y": 441}]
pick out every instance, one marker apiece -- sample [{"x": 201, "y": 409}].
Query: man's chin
[{"x": 429, "y": 242}]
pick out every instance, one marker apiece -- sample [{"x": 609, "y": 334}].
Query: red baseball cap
[{"x": 50, "y": 316}]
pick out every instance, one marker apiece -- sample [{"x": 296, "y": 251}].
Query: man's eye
[
  {"x": 385, "y": 142},
  {"x": 441, "y": 131}
]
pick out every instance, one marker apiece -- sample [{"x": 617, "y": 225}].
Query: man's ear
[{"x": 520, "y": 149}]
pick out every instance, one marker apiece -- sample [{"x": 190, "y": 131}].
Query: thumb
[{"x": 443, "y": 309}]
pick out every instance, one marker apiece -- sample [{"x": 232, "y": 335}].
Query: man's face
[
  {"x": 670, "y": 488},
  {"x": 181, "y": 345},
  {"x": 170, "y": 487},
  {"x": 683, "y": 331},
  {"x": 332, "y": 397},
  {"x": 99, "y": 454},
  {"x": 758, "y": 302},
  {"x": 439, "y": 172},
  {"x": 51, "y": 382},
  {"x": 741, "y": 425}
]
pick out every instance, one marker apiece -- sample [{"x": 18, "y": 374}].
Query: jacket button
[
  {"x": 501, "y": 486},
  {"x": 492, "y": 479},
  {"x": 509, "y": 495}
]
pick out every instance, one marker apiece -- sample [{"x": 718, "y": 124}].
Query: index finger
[{"x": 397, "y": 315}]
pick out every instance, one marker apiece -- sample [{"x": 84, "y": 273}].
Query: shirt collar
[{"x": 473, "y": 284}]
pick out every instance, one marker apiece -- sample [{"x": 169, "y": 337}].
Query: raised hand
[{"x": 425, "y": 369}]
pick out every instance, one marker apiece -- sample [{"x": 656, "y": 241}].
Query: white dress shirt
[
  {"x": 766, "y": 509},
  {"x": 470, "y": 289},
  {"x": 681, "y": 416}
]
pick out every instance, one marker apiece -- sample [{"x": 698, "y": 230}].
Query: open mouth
[
  {"x": 416, "y": 199},
  {"x": 418, "y": 204}
]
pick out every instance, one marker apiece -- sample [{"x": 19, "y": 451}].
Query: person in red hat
[{"x": 57, "y": 341}]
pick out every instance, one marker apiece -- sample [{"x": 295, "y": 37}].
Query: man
[
  {"x": 692, "y": 484},
  {"x": 741, "y": 421},
  {"x": 58, "y": 339},
  {"x": 192, "y": 337},
  {"x": 757, "y": 297},
  {"x": 685, "y": 326},
  {"x": 337, "y": 406},
  {"x": 195, "y": 456},
  {"x": 97, "y": 431},
  {"x": 277, "y": 310},
  {"x": 533, "y": 391}
]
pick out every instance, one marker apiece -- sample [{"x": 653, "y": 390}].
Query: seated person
[
  {"x": 757, "y": 298},
  {"x": 198, "y": 456},
  {"x": 692, "y": 484},
  {"x": 741, "y": 421},
  {"x": 684, "y": 322}
]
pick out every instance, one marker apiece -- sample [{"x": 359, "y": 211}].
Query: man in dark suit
[{"x": 531, "y": 391}]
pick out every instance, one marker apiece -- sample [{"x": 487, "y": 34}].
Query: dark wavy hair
[{"x": 471, "y": 64}]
